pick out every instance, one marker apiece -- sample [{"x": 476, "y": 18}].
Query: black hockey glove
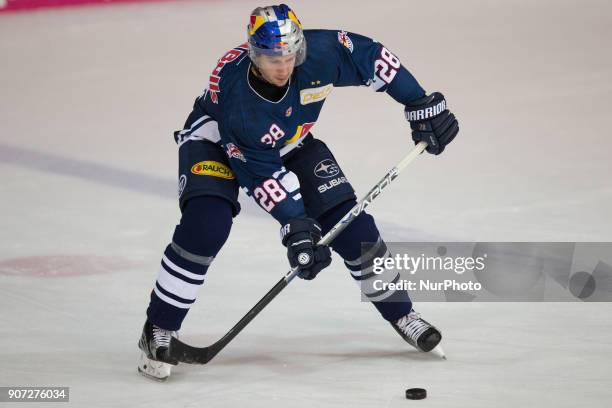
[
  {"x": 431, "y": 122},
  {"x": 300, "y": 235}
]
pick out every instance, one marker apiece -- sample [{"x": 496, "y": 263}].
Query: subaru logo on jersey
[
  {"x": 333, "y": 183},
  {"x": 326, "y": 169}
]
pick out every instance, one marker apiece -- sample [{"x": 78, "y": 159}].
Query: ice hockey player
[{"x": 251, "y": 128}]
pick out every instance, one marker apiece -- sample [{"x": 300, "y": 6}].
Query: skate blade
[
  {"x": 438, "y": 352},
  {"x": 154, "y": 370}
]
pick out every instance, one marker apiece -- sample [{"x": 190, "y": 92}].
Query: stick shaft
[
  {"x": 194, "y": 355},
  {"x": 366, "y": 201}
]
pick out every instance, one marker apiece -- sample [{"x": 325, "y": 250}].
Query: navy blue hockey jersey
[{"x": 256, "y": 133}]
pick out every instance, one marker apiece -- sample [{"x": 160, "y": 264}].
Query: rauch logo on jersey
[
  {"x": 212, "y": 168},
  {"x": 326, "y": 169}
]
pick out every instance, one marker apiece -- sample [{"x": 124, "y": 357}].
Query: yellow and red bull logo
[
  {"x": 256, "y": 22},
  {"x": 294, "y": 18},
  {"x": 302, "y": 130}
]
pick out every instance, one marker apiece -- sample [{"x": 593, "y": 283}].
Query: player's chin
[{"x": 281, "y": 82}]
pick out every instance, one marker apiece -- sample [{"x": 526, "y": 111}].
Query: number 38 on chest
[{"x": 274, "y": 135}]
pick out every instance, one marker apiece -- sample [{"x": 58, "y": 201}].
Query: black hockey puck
[{"x": 416, "y": 393}]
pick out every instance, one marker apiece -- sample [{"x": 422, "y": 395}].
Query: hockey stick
[{"x": 185, "y": 353}]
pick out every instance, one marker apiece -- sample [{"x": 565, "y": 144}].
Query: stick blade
[{"x": 185, "y": 353}]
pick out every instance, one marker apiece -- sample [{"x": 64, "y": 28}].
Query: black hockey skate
[
  {"x": 417, "y": 332},
  {"x": 155, "y": 360}
]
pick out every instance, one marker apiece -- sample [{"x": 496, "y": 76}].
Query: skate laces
[
  {"x": 412, "y": 325},
  {"x": 162, "y": 337}
]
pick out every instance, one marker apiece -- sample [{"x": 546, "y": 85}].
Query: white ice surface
[{"x": 88, "y": 100}]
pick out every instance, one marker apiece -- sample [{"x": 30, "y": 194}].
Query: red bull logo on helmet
[
  {"x": 275, "y": 31},
  {"x": 256, "y": 22}
]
